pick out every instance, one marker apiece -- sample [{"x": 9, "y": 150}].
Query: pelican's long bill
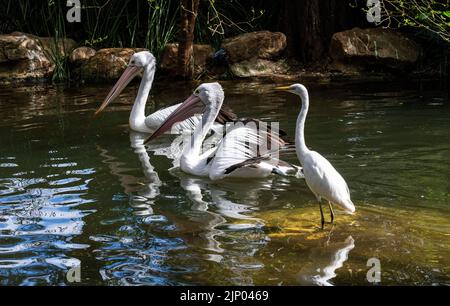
[
  {"x": 128, "y": 75},
  {"x": 193, "y": 105}
]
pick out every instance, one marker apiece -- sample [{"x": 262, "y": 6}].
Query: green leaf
[{"x": 422, "y": 16}]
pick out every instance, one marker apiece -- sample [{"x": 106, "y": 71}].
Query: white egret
[
  {"x": 243, "y": 151},
  {"x": 321, "y": 177},
  {"x": 145, "y": 62}
]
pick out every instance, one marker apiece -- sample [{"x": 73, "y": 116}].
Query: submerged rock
[
  {"x": 365, "y": 49},
  {"x": 24, "y": 56},
  {"x": 258, "y": 67},
  {"x": 106, "y": 64},
  {"x": 202, "y": 54}
]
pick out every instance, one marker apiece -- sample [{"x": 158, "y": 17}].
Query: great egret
[
  {"x": 240, "y": 153},
  {"x": 321, "y": 177},
  {"x": 145, "y": 62}
]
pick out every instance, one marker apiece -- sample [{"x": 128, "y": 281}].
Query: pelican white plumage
[
  {"x": 321, "y": 177},
  {"x": 243, "y": 152},
  {"x": 145, "y": 62}
]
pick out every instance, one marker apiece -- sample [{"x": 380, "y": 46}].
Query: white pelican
[
  {"x": 321, "y": 177},
  {"x": 240, "y": 153},
  {"x": 145, "y": 62}
]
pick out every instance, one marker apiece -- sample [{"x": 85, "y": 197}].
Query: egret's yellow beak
[{"x": 283, "y": 88}]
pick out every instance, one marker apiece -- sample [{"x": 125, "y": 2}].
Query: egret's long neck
[
  {"x": 137, "y": 116},
  {"x": 300, "y": 144},
  {"x": 202, "y": 129}
]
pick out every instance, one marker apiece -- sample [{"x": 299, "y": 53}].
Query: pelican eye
[{"x": 197, "y": 92}]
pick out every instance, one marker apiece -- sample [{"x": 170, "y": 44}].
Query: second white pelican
[
  {"x": 145, "y": 62},
  {"x": 242, "y": 153},
  {"x": 321, "y": 177}
]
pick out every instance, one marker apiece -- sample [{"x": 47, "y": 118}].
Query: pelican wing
[
  {"x": 154, "y": 120},
  {"x": 245, "y": 144}
]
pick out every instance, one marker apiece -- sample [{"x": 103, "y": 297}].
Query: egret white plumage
[
  {"x": 243, "y": 151},
  {"x": 321, "y": 177},
  {"x": 145, "y": 62}
]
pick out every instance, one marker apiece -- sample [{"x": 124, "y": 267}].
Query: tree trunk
[
  {"x": 189, "y": 9},
  {"x": 310, "y": 24}
]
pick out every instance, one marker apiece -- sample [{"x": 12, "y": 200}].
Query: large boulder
[
  {"x": 25, "y": 57},
  {"x": 366, "y": 49},
  {"x": 202, "y": 54},
  {"x": 263, "y": 45},
  {"x": 106, "y": 64}
]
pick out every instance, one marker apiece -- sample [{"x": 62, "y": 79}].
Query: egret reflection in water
[{"x": 323, "y": 262}]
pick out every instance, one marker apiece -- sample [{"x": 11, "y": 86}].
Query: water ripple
[{"x": 40, "y": 216}]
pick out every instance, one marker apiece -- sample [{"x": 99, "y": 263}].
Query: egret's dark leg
[
  {"x": 331, "y": 212},
  {"x": 322, "y": 220}
]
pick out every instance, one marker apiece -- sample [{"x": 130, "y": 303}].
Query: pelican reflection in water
[
  {"x": 210, "y": 212},
  {"x": 142, "y": 193},
  {"x": 214, "y": 214}
]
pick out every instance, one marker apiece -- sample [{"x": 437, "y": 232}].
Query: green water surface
[{"x": 79, "y": 191}]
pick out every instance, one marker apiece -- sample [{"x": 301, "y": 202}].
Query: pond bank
[{"x": 354, "y": 54}]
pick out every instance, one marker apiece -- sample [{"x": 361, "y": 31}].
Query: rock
[
  {"x": 63, "y": 46},
  {"x": 24, "y": 56},
  {"x": 81, "y": 54},
  {"x": 258, "y": 67},
  {"x": 364, "y": 49},
  {"x": 263, "y": 45},
  {"x": 250, "y": 54},
  {"x": 202, "y": 53},
  {"x": 106, "y": 64}
]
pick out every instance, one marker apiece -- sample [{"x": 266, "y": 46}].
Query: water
[{"x": 79, "y": 191}]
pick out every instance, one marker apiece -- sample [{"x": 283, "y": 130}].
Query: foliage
[
  {"x": 57, "y": 32},
  {"x": 161, "y": 26},
  {"x": 133, "y": 23},
  {"x": 431, "y": 15},
  {"x": 219, "y": 19}
]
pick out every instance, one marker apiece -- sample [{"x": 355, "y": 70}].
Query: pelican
[
  {"x": 145, "y": 62},
  {"x": 238, "y": 154},
  {"x": 321, "y": 177}
]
